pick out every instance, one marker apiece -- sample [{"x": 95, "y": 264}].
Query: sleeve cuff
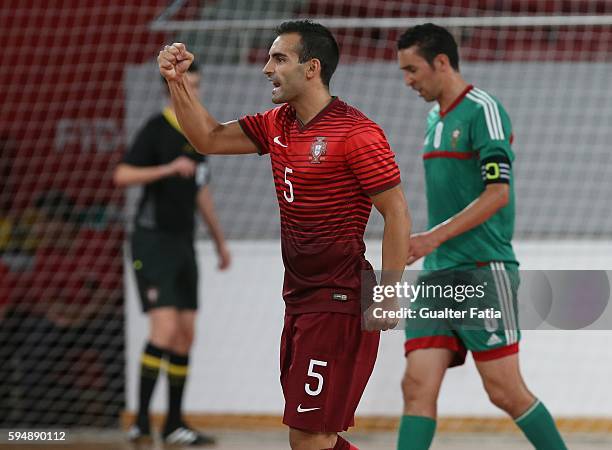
[
  {"x": 383, "y": 187},
  {"x": 261, "y": 150}
]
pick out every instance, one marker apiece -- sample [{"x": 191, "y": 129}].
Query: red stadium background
[{"x": 61, "y": 133}]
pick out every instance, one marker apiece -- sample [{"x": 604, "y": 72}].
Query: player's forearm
[
  {"x": 196, "y": 122},
  {"x": 476, "y": 213},
  {"x": 214, "y": 228},
  {"x": 128, "y": 175},
  {"x": 209, "y": 215},
  {"x": 395, "y": 246}
]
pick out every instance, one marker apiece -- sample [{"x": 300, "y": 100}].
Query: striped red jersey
[{"x": 324, "y": 173}]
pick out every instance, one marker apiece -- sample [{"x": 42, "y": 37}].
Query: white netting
[
  {"x": 552, "y": 78},
  {"x": 547, "y": 61},
  {"x": 61, "y": 290}
]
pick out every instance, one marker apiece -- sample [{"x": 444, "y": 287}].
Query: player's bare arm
[
  {"x": 395, "y": 248},
  {"x": 205, "y": 133},
  {"x": 128, "y": 174},
  {"x": 206, "y": 205},
  {"x": 494, "y": 197}
]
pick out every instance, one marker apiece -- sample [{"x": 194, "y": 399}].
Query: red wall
[{"x": 61, "y": 96}]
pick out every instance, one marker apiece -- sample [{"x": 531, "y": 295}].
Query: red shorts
[{"x": 325, "y": 360}]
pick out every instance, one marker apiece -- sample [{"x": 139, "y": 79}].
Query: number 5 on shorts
[{"x": 318, "y": 376}]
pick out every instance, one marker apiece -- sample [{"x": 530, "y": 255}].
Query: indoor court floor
[{"x": 277, "y": 440}]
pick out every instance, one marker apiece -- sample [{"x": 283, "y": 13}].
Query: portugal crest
[{"x": 317, "y": 150}]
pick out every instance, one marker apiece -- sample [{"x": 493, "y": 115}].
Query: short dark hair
[
  {"x": 317, "y": 42},
  {"x": 193, "y": 68},
  {"x": 431, "y": 41}
]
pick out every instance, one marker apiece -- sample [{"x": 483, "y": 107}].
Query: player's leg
[
  {"x": 163, "y": 327},
  {"x": 177, "y": 368},
  {"x": 425, "y": 369},
  {"x": 155, "y": 293},
  {"x": 507, "y": 390},
  {"x": 504, "y": 385},
  {"x": 304, "y": 440},
  {"x": 431, "y": 347},
  {"x": 326, "y": 361},
  {"x": 175, "y": 430},
  {"x": 161, "y": 330},
  {"x": 494, "y": 344}
]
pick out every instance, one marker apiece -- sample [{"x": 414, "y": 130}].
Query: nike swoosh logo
[
  {"x": 277, "y": 141},
  {"x": 301, "y": 410}
]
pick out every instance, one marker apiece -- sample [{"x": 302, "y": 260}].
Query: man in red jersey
[{"x": 330, "y": 164}]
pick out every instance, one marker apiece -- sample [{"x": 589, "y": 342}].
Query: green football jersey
[{"x": 462, "y": 152}]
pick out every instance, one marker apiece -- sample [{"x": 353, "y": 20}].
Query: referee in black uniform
[{"x": 175, "y": 179}]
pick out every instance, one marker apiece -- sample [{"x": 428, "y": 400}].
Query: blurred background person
[{"x": 175, "y": 179}]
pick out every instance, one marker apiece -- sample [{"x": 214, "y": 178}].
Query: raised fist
[{"x": 173, "y": 61}]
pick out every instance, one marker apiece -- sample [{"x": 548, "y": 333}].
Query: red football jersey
[{"x": 324, "y": 172}]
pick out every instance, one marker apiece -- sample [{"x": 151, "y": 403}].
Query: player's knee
[
  {"x": 165, "y": 335},
  {"x": 187, "y": 337},
  {"x": 406, "y": 386},
  {"x": 183, "y": 342},
  {"x": 514, "y": 400},
  {"x": 302, "y": 440},
  {"x": 500, "y": 397},
  {"x": 416, "y": 391}
]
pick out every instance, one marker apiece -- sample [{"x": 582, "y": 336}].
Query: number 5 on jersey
[
  {"x": 310, "y": 388},
  {"x": 288, "y": 195}
]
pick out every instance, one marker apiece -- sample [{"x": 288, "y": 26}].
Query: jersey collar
[
  {"x": 331, "y": 105},
  {"x": 457, "y": 101}
]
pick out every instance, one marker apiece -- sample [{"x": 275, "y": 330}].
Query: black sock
[
  {"x": 177, "y": 374},
  {"x": 150, "y": 363}
]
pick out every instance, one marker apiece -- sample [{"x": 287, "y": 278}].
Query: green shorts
[
  {"x": 473, "y": 308},
  {"x": 166, "y": 270}
]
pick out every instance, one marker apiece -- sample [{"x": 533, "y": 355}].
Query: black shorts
[{"x": 166, "y": 270}]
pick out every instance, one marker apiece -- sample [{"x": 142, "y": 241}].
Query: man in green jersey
[{"x": 468, "y": 173}]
